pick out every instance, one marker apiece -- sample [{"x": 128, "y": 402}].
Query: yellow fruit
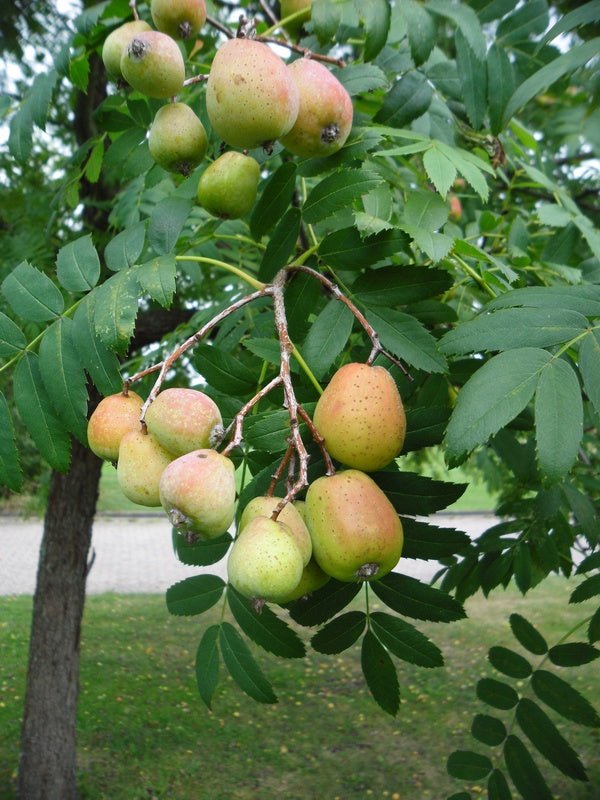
[
  {"x": 264, "y": 507},
  {"x": 113, "y": 417},
  {"x": 177, "y": 140},
  {"x": 116, "y": 42},
  {"x": 141, "y": 463},
  {"x": 227, "y": 188},
  {"x": 180, "y": 19},
  {"x": 152, "y": 63}
]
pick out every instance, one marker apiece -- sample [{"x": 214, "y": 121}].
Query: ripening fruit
[
  {"x": 264, "y": 506},
  {"x": 116, "y": 42},
  {"x": 183, "y": 420},
  {"x": 361, "y": 417},
  {"x": 227, "y": 187},
  {"x": 312, "y": 579},
  {"x": 152, "y": 63},
  {"x": 289, "y": 7},
  {"x": 325, "y": 113},
  {"x": 113, "y": 417},
  {"x": 177, "y": 140},
  {"x": 180, "y": 19},
  {"x": 197, "y": 491},
  {"x": 142, "y": 460},
  {"x": 355, "y": 530},
  {"x": 265, "y": 562},
  {"x": 251, "y": 98}
]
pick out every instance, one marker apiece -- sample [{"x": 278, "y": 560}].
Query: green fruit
[
  {"x": 180, "y": 19},
  {"x": 183, "y": 420},
  {"x": 289, "y": 7},
  {"x": 116, "y": 42},
  {"x": 312, "y": 578},
  {"x": 361, "y": 417},
  {"x": 227, "y": 188},
  {"x": 152, "y": 63},
  {"x": 355, "y": 530},
  {"x": 264, "y": 507},
  {"x": 142, "y": 461},
  {"x": 197, "y": 491},
  {"x": 113, "y": 417},
  {"x": 325, "y": 113},
  {"x": 251, "y": 99},
  {"x": 177, "y": 140},
  {"x": 265, "y": 562}
]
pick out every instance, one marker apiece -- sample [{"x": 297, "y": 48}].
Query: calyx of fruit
[
  {"x": 113, "y": 417},
  {"x": 361, "y": 417},
  {"x": 183, "y": 420},
  {"x": 264, "y": 506},
  {"x": 142, "y": 461},
  {"x": 197, "y": 491},
  {"x": 228, "y": 187},
  {"x": 152, "y": 63},
  {"x": 180, "y": 19},
  {"x": 116, "y": 42},
  {"x": 177, "y": 140},
  {"x": 355, "y": 530},
  {"x": 251, "y": 98}
]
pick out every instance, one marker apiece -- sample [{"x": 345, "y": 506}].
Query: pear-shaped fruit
[
  {"x": 265, "y": 562},
  {"x": 289, "y": 7},
  {"x": 197, "y": 491},
  {"x": 142, "y": 460},
  {"x": 264, "y": 506},
  {"x": 312, "y": 579},
  {"x": 325, "y": 114},
  {"x": 152, "y": 63},
  {"x": 183, "y": 420},
  {"x": 227, "y": 188},
  {"x": 180, "y": 19},
  {"x": 361, "y": 417},
  {"x": 116, "y": 42},
  {"x": 355, "y": 530},
  {"x": 177, "y": 140},
  {"x": 251, "y": 98},
  {"x": 113, "y": 417}
]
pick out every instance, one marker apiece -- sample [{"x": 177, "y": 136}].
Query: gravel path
[{"x": 134, "y": 553}]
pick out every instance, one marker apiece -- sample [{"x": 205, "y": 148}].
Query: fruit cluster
[{"x": 253, "y": 98}]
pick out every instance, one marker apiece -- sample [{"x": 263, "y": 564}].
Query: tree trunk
[{"x": 47, "y": 769}]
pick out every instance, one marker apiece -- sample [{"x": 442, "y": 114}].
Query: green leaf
[
  {"x": 375, "y": 17},
  {"x": 594, "y": 626},
  {"x": 207, "y": 664},
  {"x": 242, "y": 667},
  {"x": 336, "y": 192},
  {"x": 527, "y": 635},
  {"x": 563, "y": 65},
  {"x": 529, "y": 18},
  {"x": 411, "y": 598},
  {"x": 64, "y": 377},
  {"x": 472, "y": 71},
  {"x": 435, "y": 245},
  {"x": 115, "y": 310},
  {"x": 324, "y": 603},
  {"x": 223, "y": 371},
  {"x": 268, "y": 431},
  {"x": 409, "y": 98},
  {"x": 425, "y": 210},
  {"x": 573, "y": 654},
  {"x": 492, "y": 397},
  {"x": 468, "y": 765},
  {"x": 35, "y": 410},
  {"x": 425, "y": 427},
  {"x": 573, "y": 19},
  {"x": 404, "y": 641},
  {"x": 327, "y": 337},
  {"x": 496, "y": 694},
  {"x": 489, "y": 730},
  {"x": 563, "y": 698},
  {"x": 400, "y": 285},
  {"x": 508, "y": 662},
  {"x": 200, "y": 552},
  {"x": 380, "y": 674},
  {"x": 558, "y": 419},
  {"x": 359, "y": 78},
  {"x": 467, "y": 22},
  {"x": 553, "y": 215},
  {"x": 31, "y": 294},
  {"x": 265, "y": 628},
  {"x": 421, "y": 30},
  {"x": 497, "y": 787},
  {"x": 12, "y": 338},
  {"x": 167, "y": 220},
  {"x": 126, "y": 247},
  {"x": 500, "y": 85},
  {"x": 340, "y": 633},
  {"x": 425, "y": 541},
  {"x": 347, "y": 249},
  {"x": 282, "y": 244},
  {"x": 441, "y": 171},
  {"x": 417, "y": 494},
  {"x": 406, "y": 338},
  {"x": 586, "y": 590},
  {"x": 93, "y": 166},
  {"x": 589, "y": 366},
  {"x": 79, "y": 72},
  {"x": 33, "y": 111},
  {"x": 78, "y": 265},
  {"x": 10, "y": 469},
  {"x": 333, "y": 19},
  {"x": 523, "y": 771},
  {"x": 471, "y": 168},
  {"x": 583, "y": 299},
  {"x": 194, "y": 595},
  {"x": 274, "y": 200},
  {"x": 157, "y": 278},
  {"x": 100, "y": 363},
  {"x": 544, "y": 735}
]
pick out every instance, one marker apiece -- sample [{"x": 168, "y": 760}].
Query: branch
[
  {"x": 220, "y": 27},
  {"x": 133, "y": 7},
  {"x": 339, "y": 62},
  {"x": 238, "y": 421},
  {"x": 195, "y": 79}
]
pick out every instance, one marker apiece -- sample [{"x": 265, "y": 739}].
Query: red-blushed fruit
[
  {"x": 361, "y": 417},
  {"x": 312, "y": 578},
  {"x": 177, "y": 140},
  {"x": 113, "y": 417},
  {"x": 183, "y": 420},
  {"x": 325, "y": 113},
  {"x": 180, "y": 19},
  {"x": 227, "y": 188},
  {"x": 264, "y": 506},
  {"x": 251, "y": 99},
  {"x": 197, "y": 491},
  {"x": 116, "y": 42},
  {"x": 355, "y": 530},
  {"x": 142, "y": 460},
  {"x": 152, "y": 63}
]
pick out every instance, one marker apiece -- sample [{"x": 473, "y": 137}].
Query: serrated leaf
[
  {"x": 489, "y": 730},
  {"x": 410, "y": 493},
  {"x": 425, "y": 210},
  {"x": 324, "y": 603},
  {"x": 586, "y": 590},
  {"x": 524, "y": 772},
  {"x": 93, "y": 165},
  {"x": 31, "y": 294},
  {"x": 472, "y": 71},
  {"x": 529, "y": 18},
  {"x": 408, "y": 99},
  {"x": 275, "y": 197},
  {"x": 380, "y": 674},
  {"x": 400, "y": 285},
  {"x": 242, "y": 667},
  {"x": 558, "y": 419},
  {"x": 425, "y": 426},
  {"x": 587, "y": 13},
  {"x": 12, "y": 338},
  {"x": 375, "y": 17},
  {"x": 563, "y": 698},
  {"x": 340, "y": 633},
  {"x": 583, "y": 299},
  {"x": 468, "y": 765},
  {"x": 35, "y": 410},
  {"x": 282, "y": 244},
  {"x": 20, "y": 138},
  {"x": 573, "y": 654},
  {"x": 411, "y": 598},
  {"x": 589, "y": 366},
  {"x": 33, "y": 111},
  {"x": 527, "y": 635},
  {"x": 435, "y": 245},
  {"x": 406, "y": 338},
  {"x": 194, "y": 595},
  {"x": 497, "y": 786},
  {"x": 268, "y": 431},
  {"x": 404, "y": 641},
  {"x": 471, "y": 168},
  {"x": 466, "y": 20},
  {"x": 441, "y": 171},
  {"x": 421, "y": 30},
  {"x": 126, "y": 247},
  {"x": 500, "y": 85},
  {"x": 496, "y": 693},
  {"x": 207, "y": 664},
  {"x": 78, "y": 265},
  {"x": 336, "y": 192},
  {"x": 594, "y": 626},
  {"x": 425, "y": 541},
  {"x": 553, "y": 215},
  {"x": 265, "y": 628},
  {"x": 201, "y": 552},
  {"x": 223, "y": 371},
  {"x": 327, "y": 337},
  {"x": 492, "y": 397},
  {"x": 167, "y": 220},
  {"x": 10, "y": 469},
  {"x": 100, "y": 363},
  {"x": 115, "y": 310},
  {"x": 508, "y": 662},
  {"x": 157, "y": 278},
  {"x": 347, "y": 249},
  {"x": 359, "y": 78}
]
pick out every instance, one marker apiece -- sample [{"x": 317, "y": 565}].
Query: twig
[
  {"x": 339, "y": 62},
  {"x": 329, "y": 468},
  {"x": 268, "y": 12},
  {"x": 238, "y": 421},
  {"x": 220, "y": 27},
  {"x": 133, "y": 7},
  {"x": 286, "y": 461},
  {"x": 195, "y": 79}
]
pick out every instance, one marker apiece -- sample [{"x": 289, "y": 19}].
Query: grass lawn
[{"x": 144, "y": 733}]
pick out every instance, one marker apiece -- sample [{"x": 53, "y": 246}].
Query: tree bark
[{"x": 47, "y": 769}]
